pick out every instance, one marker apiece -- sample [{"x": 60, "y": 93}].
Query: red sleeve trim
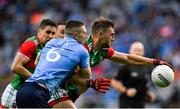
[
  {"x": 86, "y": 46},
  {"x": 28, "y": 48},
  {"x": 111, "y": 52}
]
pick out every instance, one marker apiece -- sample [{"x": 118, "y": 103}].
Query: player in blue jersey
[{"x": 58, "y": 60}]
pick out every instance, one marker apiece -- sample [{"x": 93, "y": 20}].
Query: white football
[{"x": 162, "y": 76}]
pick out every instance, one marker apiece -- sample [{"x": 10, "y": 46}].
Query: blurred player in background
[
  {"x": 132, "y": 82},
  {"x": 98, "y": 45},
  {"x": 23, "y": 65},
  {"x": 57, "y": 61}
]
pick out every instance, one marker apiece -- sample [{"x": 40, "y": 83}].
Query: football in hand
[{"x": 162, "y": 76}]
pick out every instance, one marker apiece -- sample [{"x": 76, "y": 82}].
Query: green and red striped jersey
[
  {"x": 99, "y": 55},
  {"x": 30, "y": 48}
]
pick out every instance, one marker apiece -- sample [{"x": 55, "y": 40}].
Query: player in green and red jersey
[
  {"x": 97, "y": 56},
  {"x": 99, "y": 46},
  {"x": 23, "y": 65}
]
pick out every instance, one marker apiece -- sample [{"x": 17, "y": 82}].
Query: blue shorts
[{"x": 31, "y": 95}]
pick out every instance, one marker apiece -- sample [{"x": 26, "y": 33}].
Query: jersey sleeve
[
  {"x": 107, "y": 52},
  {"x": 84, "y": 62},
  {"x": 28, "y": 48}
]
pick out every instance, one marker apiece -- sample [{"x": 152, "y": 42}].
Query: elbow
[
  {"x": 88, "y": 76},
  {"x": 14, "y": 68},
  {"x": 131, "y": 60}
]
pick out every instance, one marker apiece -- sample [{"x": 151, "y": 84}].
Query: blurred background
[{"x": 156, "y": 23}]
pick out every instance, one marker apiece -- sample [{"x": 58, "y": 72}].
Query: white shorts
[
  {"x": 58, "y": 96},
  {"x": 8, "y": 98}
]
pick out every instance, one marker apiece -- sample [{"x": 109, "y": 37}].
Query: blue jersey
[{"x": 58, "y": 60}]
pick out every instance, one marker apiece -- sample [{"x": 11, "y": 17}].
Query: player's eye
[
  {"x": 62, "y": 32},
  {"x": 112, "y": 34},
  {"x": 53, "y": 33},
  {"x": 50, "y": 32}
]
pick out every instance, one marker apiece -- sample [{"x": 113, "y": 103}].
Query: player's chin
[{"x": 106, "y": 46}]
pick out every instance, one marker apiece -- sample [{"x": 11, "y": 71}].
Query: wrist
[
  {"x": 125, "y": 90},
  {"x": 89, "y": 83},
  {"x": 156, "y": 62}
]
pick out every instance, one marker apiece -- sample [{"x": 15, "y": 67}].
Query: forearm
[
  {"x": 78, "y": 80},
  {"x": 82, "y": 90},
  {"x": 139, "y": 60},
  {"x": 37, "y": 59},
  {"x": 21, "y": 71},
  {"x": 131, "y": 59},
  {"x": 118, "y": 86}
]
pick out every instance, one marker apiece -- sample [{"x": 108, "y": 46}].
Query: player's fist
[
  {"x": 99, "y": 84},
  {"x": 131, "y": 92},
  {"x": 151, "y": 96},
  {"x": 157, "y": 62}
]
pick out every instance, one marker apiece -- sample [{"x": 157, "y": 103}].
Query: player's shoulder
[
  {"x": 107, "y": 52},
  {"x": 31, "y": 41}
]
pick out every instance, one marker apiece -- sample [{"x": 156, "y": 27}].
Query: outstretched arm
[{"x": 133, "y": 59}]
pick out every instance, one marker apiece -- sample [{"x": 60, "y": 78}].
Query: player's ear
[
  {"x": 39, "y": 31},
  {"x": 99, "y": 34},
  {"x": 74, "y": 33}
]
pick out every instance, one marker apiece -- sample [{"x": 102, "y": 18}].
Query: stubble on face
[{"x": 108, "y": 37}]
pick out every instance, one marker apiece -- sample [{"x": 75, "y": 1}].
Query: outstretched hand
[
  {"x": 157, "y": 62},
  {"x": 99, "y": 84}
]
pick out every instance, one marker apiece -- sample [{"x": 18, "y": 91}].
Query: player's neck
[
  {"x": 40, "y": 41},
  {"x": 95, "y": 43}
]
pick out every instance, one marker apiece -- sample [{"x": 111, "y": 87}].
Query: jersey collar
[
  {"x": 89, "y": 44},
  {"x": 39, "y": 41}
]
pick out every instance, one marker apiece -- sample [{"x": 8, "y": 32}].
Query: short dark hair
[
  {"x": 47, "y": 22},
  {"x": 101, "y": 23},
  {"x": 61, "y": 23},
  {"x": 73, "y": 26}
]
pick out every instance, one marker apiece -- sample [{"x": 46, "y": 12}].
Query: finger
[
  {"x": 103, "y": 87},
  {"x": 105, "y": 84},
  {"x": 102, "y": 91},
  {"x": 172, "y": 68},
  {"x": 168, "y": 65},
  {"x": 108, "y": 80},
  {"x": 105, "y": 81}
]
